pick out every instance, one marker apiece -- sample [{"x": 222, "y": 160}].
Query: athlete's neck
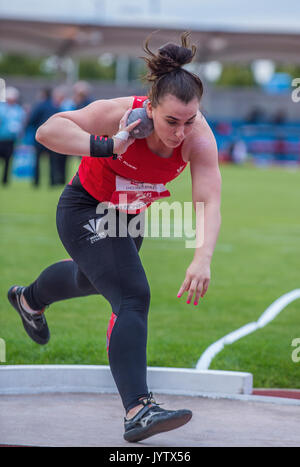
[{"x": 156, "y": 145}]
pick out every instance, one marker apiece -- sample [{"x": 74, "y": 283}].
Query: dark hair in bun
[{"x": 166, "y": 75}]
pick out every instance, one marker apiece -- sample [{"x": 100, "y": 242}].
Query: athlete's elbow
[
  {"x": 45, "y": 134},
  {"x": 41, "y": 135}
]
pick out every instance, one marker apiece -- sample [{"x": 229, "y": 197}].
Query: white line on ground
[{"x": 269, "y": 314}]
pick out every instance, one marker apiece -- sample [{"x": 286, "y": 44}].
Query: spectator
[
  {"x": 238, "y": 152},
  {"x": 12, "y": 117},
  {"x": 81, "y": 97},
  {"x": 256, "y": 115},
  {"x": 81, "y": 94},
  {"x": 279, "y": 117},
  {"x": 49, "y": 105}
]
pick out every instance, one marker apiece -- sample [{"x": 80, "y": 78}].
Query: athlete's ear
[{"x": 149, "y": 109}]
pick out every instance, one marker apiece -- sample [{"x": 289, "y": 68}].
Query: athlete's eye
[{"x": 175, "y": 123}]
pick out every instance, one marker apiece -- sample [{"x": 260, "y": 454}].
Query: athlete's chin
[{"x": 174, "y": 144}]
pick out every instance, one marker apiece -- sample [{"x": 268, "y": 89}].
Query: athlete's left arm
[{"x": 206, "y": 190}]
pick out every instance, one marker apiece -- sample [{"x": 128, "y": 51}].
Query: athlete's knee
[
  {"x": 139, "y": 295},
  {"x": 83, "y": 283}
]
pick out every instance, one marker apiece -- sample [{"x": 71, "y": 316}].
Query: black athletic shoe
[
  {"x": 152, "y": 419},
  {"x": 34, "y": 324}
]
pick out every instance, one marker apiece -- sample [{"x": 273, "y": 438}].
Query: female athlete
[{"x": 114, "y": 165}]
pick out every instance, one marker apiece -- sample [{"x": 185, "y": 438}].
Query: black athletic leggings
[{"x": 107, "y": 265}]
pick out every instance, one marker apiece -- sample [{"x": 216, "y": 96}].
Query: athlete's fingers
[
  {"x": 132, "y": 125},
  {"x": 183, "y": 288},
  {"x": 205, "y": 287},
  {"x": 192, "y": 290},
  {"x": 122, "y": 140},
  {"x": 123, "y": 120},
  {"x": 198, "y": 293}
]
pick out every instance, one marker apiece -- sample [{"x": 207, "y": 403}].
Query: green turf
[{"x": 256, "y": 261}]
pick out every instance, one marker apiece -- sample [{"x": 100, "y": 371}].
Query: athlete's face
[{"x": 173, "y": 119}]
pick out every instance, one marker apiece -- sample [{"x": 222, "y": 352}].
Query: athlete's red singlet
[{"x": 135, "y": 179}]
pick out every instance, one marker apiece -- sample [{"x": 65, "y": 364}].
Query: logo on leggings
[{"x": 94, "y": 226}]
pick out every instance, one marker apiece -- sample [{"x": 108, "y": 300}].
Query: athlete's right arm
[{"x": 69, "y": 132}]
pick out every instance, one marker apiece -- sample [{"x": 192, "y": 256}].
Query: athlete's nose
[{"x": 179, "y": 133}]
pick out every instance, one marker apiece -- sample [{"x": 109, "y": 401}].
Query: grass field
[{"x": 256, "y": 261}]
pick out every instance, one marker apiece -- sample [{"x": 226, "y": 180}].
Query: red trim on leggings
[{"x": 111, "y": 324}]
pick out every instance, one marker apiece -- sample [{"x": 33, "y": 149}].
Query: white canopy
[{"x": 223, "y": 30}]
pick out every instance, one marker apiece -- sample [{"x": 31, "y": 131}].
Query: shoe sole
[
  {"x": 159, "y": 426},
  {"x": 26, "y": 326}
]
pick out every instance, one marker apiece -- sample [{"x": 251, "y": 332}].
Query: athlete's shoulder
[
  {"x": 201, "y": 140},
  {"x": 138, "y": 101},
  {"x": 122, "y": 103}
]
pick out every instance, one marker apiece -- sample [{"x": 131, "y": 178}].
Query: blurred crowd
[
  {"x": 261, "y": 139},
  {"x": 18, "y": 125}
]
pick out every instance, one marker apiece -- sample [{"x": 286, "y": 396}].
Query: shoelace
[
  {"x": 147, "y": 401},
  {"x": 150, "y": 400}
]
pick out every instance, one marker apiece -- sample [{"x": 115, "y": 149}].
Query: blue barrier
[
  {"x": 23, "y": 161},
  {"x": 265, "y": 143}
]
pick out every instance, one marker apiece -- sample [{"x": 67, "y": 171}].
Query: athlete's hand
[
  {"x": 122, "y": 140},
  {"x": 196, "y": 281}
]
